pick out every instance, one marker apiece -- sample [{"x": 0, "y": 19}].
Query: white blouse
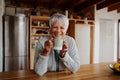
[{"x": 71, "y": 60}]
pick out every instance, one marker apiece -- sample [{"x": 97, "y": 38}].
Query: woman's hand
[
  {"x": 64, "y": 49},
  {"x": 47, "y": 47}
]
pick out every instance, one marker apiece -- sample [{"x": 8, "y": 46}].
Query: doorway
[{"x": 106, "y": 47}]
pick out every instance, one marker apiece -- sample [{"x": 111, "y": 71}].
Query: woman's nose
[{"x": 58, "y": 30}]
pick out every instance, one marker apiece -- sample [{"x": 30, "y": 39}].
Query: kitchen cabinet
[{"x": 39, "y": 26}]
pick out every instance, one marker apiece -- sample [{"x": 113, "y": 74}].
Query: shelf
[
  {"x": 39, "y": 27},
  {"x": 43, "y": 18},
  {"x": 79, "y": 21}
]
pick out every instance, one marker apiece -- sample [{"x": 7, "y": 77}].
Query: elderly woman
[{"x": 68, "y": 57}]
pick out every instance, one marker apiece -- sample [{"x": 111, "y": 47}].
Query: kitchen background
[
  {"x": 1, "y": 33},
  {"x": 100, "y": 15}
]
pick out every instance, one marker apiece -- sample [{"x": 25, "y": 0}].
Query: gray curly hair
[{"x": 59, "y": 17}]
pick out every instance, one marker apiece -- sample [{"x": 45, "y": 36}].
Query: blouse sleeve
[
  {"x": 40, "y": 62},
  {"x": 71, "y": 59}
]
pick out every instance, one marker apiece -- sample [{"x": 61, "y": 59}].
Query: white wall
[
  {"x": 106, "y": 47},
  {"x": 104, "y": 14},
  {"x": 83, "y": 42},
  {"x": 1, "y": 13}
]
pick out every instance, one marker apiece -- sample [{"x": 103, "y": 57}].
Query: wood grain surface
[{"x": 99, "y": 71}]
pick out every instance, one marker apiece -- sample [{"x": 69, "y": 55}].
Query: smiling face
[{"x": 58, "y": 30}]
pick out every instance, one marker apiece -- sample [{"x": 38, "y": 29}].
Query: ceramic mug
[{"x": 58, "y": 44}]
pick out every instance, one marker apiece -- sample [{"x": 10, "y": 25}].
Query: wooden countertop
[{"x": 99, "y": 71}]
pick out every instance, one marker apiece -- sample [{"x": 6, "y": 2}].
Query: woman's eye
[
  {"x": 62, "y": 27},
  {"x": 54, "y": 27}
]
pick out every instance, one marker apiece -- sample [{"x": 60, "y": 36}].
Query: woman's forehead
[{"x": 58, "y": 22}]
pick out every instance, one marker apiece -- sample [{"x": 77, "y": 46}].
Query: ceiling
[{"x": 75, "y": 5}]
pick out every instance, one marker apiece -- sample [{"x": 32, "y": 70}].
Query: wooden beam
[
  {"x": 92, "y": 30},
  {"x": 73, "y": 3},
  {"x": 85, "y": 5},
  {"x": 51, "y": 3},
  {"x": 106, "y": 3},
  {"x": 114, "y": 7},
  {"x": 118, "y": 10},
  {"x": 57, "y": 3}
]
